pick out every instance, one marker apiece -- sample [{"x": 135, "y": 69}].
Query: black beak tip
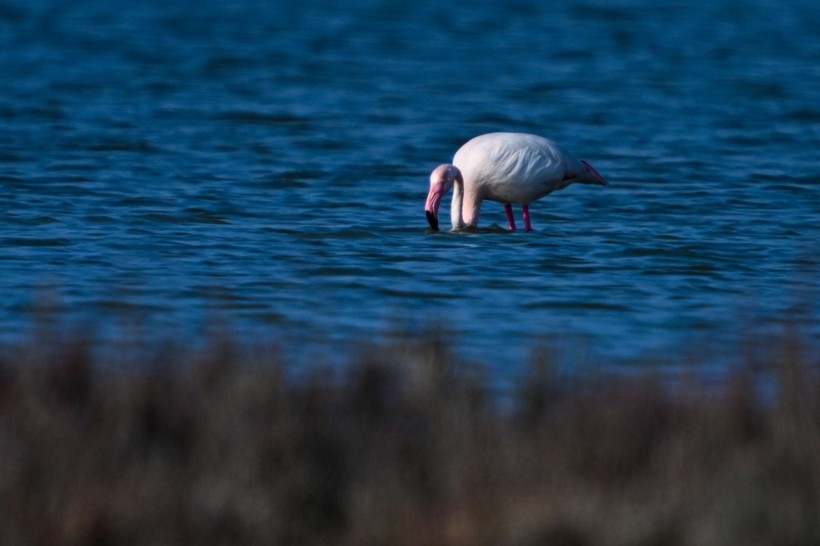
[{"x": 432, "y": 220}]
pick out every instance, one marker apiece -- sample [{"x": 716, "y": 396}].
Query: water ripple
[{"x": 269, "y": 166}]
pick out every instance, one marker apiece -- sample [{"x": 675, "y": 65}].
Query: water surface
[{"x": 265, "y": 164}]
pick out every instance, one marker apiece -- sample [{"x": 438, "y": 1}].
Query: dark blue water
[{"x": 170, "y": 164}]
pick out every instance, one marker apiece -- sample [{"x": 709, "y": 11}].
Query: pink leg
[
  {"x": 525, "y": 209},
  {"x": 510, "y": 218}
]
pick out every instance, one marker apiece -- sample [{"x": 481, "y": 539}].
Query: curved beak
[
  {"x": 432, "y": 220},
  {"x": 432, "y": 205}
]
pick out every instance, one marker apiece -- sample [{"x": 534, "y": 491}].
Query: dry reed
[{"x": 402, "y": 447}]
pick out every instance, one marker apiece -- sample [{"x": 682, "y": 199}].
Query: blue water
[{"x": 168, "y": 165}]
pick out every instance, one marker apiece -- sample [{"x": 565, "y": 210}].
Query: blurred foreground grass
[{"x": 221, "y": 446}]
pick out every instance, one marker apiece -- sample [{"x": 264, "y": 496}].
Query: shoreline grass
[{"x": 225, "y": 446}]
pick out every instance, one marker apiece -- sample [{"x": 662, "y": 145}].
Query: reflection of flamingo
[{"x": 504, "y": 167}]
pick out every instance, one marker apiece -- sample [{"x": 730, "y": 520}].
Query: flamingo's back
[{"x": 514, "y": 167}]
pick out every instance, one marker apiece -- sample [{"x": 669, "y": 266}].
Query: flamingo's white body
[{"x": 504, "y": 167}]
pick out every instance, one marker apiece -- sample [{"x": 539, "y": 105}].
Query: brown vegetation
[{"x": 220, "y": 447}]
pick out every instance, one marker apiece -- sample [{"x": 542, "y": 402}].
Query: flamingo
[{"x": 508, "y": 168}]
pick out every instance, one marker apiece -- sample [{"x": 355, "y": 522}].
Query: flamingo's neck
[
  {"x": 455, "y": 208},
  {"x": 465, "y": 207},
  {"x": 466, "y": 204}
]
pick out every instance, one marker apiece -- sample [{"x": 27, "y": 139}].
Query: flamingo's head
[
  {"x": 441, "y": 181},
  {"x": 591, "y": 176}
]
